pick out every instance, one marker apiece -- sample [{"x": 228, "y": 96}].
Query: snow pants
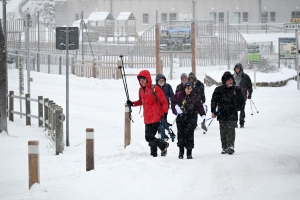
[
  {"x": 150, "y": 132},
  {"x": 242, "y": 114},
  {"x": 186, "y": 124},
  {"x": 227, "y": 133}
]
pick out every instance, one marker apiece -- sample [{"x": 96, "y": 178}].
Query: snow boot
[
  {"x": 230, "y": 150},
  {"x": 224, "y": 151},
  {"x": 241, "y": 125},
  {"x": 154, "y": 151},
  {"x": 165, "y": 151},
  {"x": 189, "y": 154},
  {"x": 181, "y": 152}
]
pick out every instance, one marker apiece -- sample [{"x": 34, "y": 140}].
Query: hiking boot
[
  {"x": 241, "y": 125},
  {"x": 181, "y": 152},
  {"x": 224, "y": 151},
  {"x": 165, "y": 151},
  {"x": 153, "y": 151},
  {"x": 189, "y": 154},
  {"x": 230, "y": 150}
]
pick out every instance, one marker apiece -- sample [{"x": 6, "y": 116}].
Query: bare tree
[{"x": 3, "y": 79}]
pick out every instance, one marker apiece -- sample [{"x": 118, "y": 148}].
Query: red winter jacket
[{"x": 154, "y": 107}]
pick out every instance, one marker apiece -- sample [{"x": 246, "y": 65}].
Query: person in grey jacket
[{"x": 243, "y": 81}]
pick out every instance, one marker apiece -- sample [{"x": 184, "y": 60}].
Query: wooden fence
[{"x": 49, "y": 114}]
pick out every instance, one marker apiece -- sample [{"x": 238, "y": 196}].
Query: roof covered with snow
[
  {"x": 126, "y": 16},
  {"x": 100, "y": 16}
]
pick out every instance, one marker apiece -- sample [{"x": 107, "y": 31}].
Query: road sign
[
  {"x": 253, "y": 50},
  {"x": 61, "y": 38},
  {"x": 292, "y": 26},
  {"x": 252, "y": 46},
  {"x": 253, "y": 53}
]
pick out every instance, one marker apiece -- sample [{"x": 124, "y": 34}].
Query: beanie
[
  {"x": 183, "y": 75},
  {"x": 226, "y": 76}
]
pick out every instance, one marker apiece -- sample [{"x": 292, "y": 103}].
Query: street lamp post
[{"x": 27, "y": 26}]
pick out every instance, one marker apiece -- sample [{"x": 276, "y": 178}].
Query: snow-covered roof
[
  {"x": 126, "y": 16},
  {"x": 100, "y": 16}
]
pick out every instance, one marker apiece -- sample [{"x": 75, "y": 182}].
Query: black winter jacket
[
  {"x": 245, "y": 84},
  {"x": 167, "y": 88},
  {"x": 228, "y": 101},
  {"x": 198, "y": 89}
]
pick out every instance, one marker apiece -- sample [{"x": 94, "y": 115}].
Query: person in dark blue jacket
[{"x": 167, "y": 88}]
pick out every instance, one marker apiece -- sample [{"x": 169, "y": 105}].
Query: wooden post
[
  {"x": 90, "y": 158},
  {"x": 94, "y": 68},
  {"x": 58, "y": 131},
  {"x": 27, "y": 105},
  {"x": 40, "y": 112},
  {"x": 157, "y": 43},
  {"x": 46, "y": 111},
  {"x": 11, "y": 106},
  {"x": 33, "y": 162},
  {"x": 193, "y": 45},
  {"x": 118, "y": 72},
  {"x": 127, "y": 135}
]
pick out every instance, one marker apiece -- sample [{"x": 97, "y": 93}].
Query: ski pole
[
  {"x": 251, "y": 108},
  {"x": 122, "y": 70},
  {"x": 253, "y": 105}
]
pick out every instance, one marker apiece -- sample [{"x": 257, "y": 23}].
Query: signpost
[
  {"x": 254, "y": 57},
  {"x": 295, "y": 25},
  {"x": 67, "y": 38}
]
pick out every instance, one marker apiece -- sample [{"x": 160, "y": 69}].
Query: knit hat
[
  {"x": 226, "y": 76},
  {"x": 188, "y": 83},
  {"x": 191, "y": 74},
  {"x": 183, "y": 75}
]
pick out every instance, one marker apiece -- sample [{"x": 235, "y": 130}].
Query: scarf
[{"x": 237, "y": 78}]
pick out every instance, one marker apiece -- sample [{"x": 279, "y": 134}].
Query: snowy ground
[{"x": 266, "y": 164}]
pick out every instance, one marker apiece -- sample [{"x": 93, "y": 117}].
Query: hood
[
  {"x": 192, "y": 75},
  {"x": 147, "y": 75},
  {"x": 227, "y": 75},
  {"x": 159, "y": 76},
  {"x": 240, "y": 66}
]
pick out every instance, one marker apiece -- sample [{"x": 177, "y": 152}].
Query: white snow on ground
[{"x": 266, "y": 164}]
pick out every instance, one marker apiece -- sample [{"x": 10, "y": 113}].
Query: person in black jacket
[
  {"x": 186, "y": 105},
  {"x": 167, "y": 88},
  {"x": 183, "y": 79},
  {"x": 226, "y": 101},
  {"x": 243, "y": 81},
  {"x": 198, "y": 86}
]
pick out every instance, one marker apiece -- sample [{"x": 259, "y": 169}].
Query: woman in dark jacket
[
  {"x": 186, "y": 105},
  {"x": 167, "y": 88}
]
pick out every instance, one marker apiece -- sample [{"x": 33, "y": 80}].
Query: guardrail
[{"x": 50, "y": 116}]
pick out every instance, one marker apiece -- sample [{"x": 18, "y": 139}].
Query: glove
[
  {"x": 129, "y": 103},
  {"x": 249, "y": 96},
  {"x": 178, "y": 109}
]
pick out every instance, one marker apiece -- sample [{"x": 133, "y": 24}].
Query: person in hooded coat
[
  {"x": 186, "y": 105},
  {"x": 167, "y": 88},
  {"x": 226, "y": 101},
  {"x": 243, "y": 81},
  {"x": 184, "y": 79},
  {"x": 198, "y": 86},
  {"x": 155, "y": 109}
]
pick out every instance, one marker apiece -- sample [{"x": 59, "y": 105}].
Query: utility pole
[
  {"x": 194, "y": 12},
  {"x": 38, "y": 47},
  {"x": 82, "y": 42}
]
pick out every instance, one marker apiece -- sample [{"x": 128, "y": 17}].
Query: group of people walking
[{"x": 189, "y": 101}]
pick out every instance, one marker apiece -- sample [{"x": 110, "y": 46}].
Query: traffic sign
[
  {"x": 292, "y": 26},
  {"x": 61, "y": 38},
  {"x": 253, "y": 50}
]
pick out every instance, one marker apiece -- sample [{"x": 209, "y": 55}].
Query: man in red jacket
[{"x": 155, "y": 108}]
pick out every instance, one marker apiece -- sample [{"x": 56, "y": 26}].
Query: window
[
  {"x": 245, "y": 16},
  {"x": 264, "y": 17},
  {"x": 172, "y": 16},
  {"x": 272, "y": 17},
  {"x": 213, "y": 16},
  {"x": 221, "y": 17},
  {"x": 145, "y": 18},
  {"x": 164, "y": 17},
  {"x": 237, "y": 17},
  {"x": 296, "y": 14}
]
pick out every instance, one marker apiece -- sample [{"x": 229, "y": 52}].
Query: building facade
[{"x": 148, "y": 12}]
